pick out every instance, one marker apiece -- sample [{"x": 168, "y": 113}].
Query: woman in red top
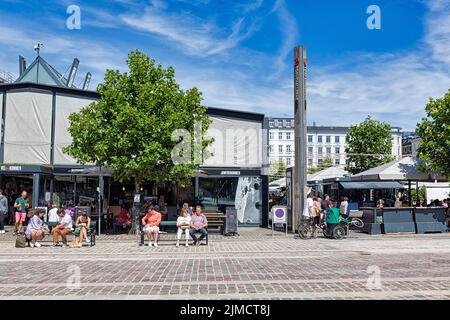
[{"x": 151, "y": 223}]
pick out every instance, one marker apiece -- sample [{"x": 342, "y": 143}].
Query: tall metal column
[{"x": 300, "y": 178}]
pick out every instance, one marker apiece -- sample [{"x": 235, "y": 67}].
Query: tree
[
  {"x": 130, "y": 129},
  {"x": 277, "y": 170},
  {"x": 369, "y": 145},
  {"x": 434, "y": 133},
  {"x": 326, "y": 163}
]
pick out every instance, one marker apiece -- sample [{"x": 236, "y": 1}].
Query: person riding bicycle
[{"x": 332, "y": 217}]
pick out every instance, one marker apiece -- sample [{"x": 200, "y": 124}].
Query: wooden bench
[
  {"x": 91, "y": 232},
  {"x": 216, "y": 219},
  {"x": 163, "y": 224}
]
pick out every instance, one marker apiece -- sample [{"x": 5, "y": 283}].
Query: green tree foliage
[
  {"x": 369, "y": 145},
  {"x": 277, "y": 170},
  {"x": 434, "y": 133},
  {"x": 129, "y": 130},
  {"x": 326, "y": 163}
]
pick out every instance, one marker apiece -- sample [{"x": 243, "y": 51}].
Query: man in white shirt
[
  {"x": 62, "y": 228},
  {"x": 53, "y": 214}
]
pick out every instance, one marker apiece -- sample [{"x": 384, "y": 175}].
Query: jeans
[
  {"x": 2, "y": 220},
  {"x": 202, "y": 231}
]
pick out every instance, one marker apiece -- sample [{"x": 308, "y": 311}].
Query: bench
[
  {"x": 216, "y": 219},
  {"x": 91, "y": 232},
  {"x": 163, "y": 224}
]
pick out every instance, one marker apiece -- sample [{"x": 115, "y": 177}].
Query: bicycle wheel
[
  {"x": 357, "y": 222},
  {"x": 338, "y": 233},
  {"x": 304, "y": 231}
]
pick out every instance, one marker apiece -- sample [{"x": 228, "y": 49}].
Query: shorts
[
  {"x": 20, "y": 216},
  {"x": 151, "y": 229}
]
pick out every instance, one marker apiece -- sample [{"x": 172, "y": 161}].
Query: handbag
[{"x": 21, "y": 241}]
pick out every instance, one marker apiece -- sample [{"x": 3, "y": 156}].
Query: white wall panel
[
  {"x": 238, "y": 143},
  {"x": 65, "y": 105},
  {"x": 28, "y": 126}
]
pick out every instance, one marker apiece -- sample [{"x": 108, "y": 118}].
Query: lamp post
[{"x": 300, "y": 178}]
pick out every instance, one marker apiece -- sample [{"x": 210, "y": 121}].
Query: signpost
[
  {"x": 279, "y": 216},
  {"x": 300, "y": 178}
]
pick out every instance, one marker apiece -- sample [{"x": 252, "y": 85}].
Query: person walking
[
  {"x": 3, "y": 211},
  {"x": 183, "y": 225},
  {"x": 21, "y": 205}
]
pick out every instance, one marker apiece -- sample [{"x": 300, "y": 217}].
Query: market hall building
[{"x": 34, "y": 111}]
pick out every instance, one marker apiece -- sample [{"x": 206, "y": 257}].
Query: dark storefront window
[{"x": 243, "y": 193}]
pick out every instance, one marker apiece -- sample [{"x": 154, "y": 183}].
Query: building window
[
  {"x": 337, "y": 162},
  {"x": 277, "y": 123},
  {"x": 310, "y": 139},
  {"x": 336, "y": 139},
  {"x": 319, "y": 139},
  {"x": 280, "y": 135},
  {"x": 319, "y": 161},
  {"x": 271, "y": 136},
  {"x": 310, "y": 162},
  {"x": 337, "y": 150},
  {"x": 328, "y": 139},
  {"x": 320, "y": 150},
  {"x": 280, "y": 148},
  {"x": 288, "y": 161},
  {"x": 288, "y": 136},
  {"x": 328, "y": 150},
  {"x": 346, "y": 139},
  {"x": 271, "y": 123},
  {"x": 271, "y": 148},
  {"x": 292, "y": 123},
  {"x": 288, "y": 148},
  {"x": 310, "y": 150}
]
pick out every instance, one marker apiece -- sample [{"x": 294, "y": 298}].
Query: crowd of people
[
  {"x": 188, "y": 223},
  {"x": 34, "y": 224}
]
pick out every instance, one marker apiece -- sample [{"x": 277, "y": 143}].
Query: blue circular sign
[{"x": 279, "y": 213}]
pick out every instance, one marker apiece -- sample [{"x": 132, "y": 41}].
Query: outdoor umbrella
[{"x": 405, "y": 169}]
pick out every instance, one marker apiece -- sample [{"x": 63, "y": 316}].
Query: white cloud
[{"x": 194, "y": 35}]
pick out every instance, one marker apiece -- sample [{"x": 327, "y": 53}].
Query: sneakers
[
  {"x": 54, "y": 246},
  {"x": 187, "y": 244},
  {"x": 156, "y": 244},
  {"x": 198, "y": 243},
  {"x": 178, "y": 244},
  {"x": 2, "y": 231},
  {"x": 31, "y": 245},
  {"x": 37, "y": 245},
  {"x": 88, "y": 241},
  {"x": 64, "y": 245},
  {"x": 149, "y": 244},
  {"x": 80, "y": 245}
]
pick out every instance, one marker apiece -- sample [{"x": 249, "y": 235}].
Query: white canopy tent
[{"x": 328, "y": 173}]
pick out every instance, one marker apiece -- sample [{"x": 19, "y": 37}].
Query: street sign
[{"x": 279, "y": 216}]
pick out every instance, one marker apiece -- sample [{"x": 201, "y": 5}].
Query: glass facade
[{"x": 243, "y": 193}]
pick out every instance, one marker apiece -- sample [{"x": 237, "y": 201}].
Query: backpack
[{"x": 21, "y": 241}]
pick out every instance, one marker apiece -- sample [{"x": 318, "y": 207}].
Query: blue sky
[{"x": 239, "y": 53}]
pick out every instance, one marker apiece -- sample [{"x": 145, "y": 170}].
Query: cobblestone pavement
[{"x": 254, "y": 265}]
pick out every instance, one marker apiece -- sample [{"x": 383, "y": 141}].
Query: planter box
[
  {"x": 372, "y": 218},
  {"x": 430, "y": 219},
  {"x": 397, "y": 220}
]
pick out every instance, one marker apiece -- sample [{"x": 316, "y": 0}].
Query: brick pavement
[{"x": 252, "y": 266}]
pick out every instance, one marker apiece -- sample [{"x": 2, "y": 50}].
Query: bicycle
[
  {"x": 346, "y": 222},
  {"x": 308, "y": 229}
]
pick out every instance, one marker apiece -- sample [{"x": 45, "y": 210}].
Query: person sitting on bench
[
  {"x": 199, "y": 223},
  {"x": 183, "y": 225},
  {"x": 83, "y": 223},
  {"x": 63, "y": 227},
  {"x": 151, "y": 223},
  {"x": 36, "y": 228}
]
